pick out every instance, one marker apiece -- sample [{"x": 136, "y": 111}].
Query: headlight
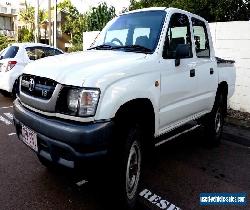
[{"x": 82, "y": 102}]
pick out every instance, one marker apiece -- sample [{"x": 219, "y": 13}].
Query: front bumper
[{"x": 65, "y": 142}]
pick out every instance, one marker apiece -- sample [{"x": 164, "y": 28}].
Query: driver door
[{"x": 178, "y": 81}]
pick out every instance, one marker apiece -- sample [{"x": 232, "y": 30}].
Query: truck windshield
[{"x": 137, "y": 32}]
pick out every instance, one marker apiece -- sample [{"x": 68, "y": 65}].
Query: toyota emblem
[{"x": 31, "y": 85}]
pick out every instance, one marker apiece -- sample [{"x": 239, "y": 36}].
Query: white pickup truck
[{"x": 150, "y": 76}]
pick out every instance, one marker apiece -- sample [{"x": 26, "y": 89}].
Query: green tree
[
  {"x": 74, "y": 23},
  {"x": 135, "y": 4},
  {"x": 99, "y": 16},
  {"x": 232, "y": 10},
  {"x": 25, "y": 35},
  {"x": 221, "y": 10},
  {"x": 27, "y": 15},
  {"x": 3, "y": 42}
]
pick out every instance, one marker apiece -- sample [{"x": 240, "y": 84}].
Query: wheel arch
[
  {"x": 223, "y": 89},
  {"x": 141, "y": 111}
]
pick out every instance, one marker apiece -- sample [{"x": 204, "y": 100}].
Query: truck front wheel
[
  {"x": 133, "y": 168},
  {"x": 128, "y": 166}
]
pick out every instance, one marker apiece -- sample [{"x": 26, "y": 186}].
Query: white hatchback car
[{"x": 14, "y": 58}]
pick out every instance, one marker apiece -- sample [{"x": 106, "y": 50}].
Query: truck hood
[{"x": 88, "y": 68}]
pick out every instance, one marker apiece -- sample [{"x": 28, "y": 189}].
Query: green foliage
[
  {"x": 75, "y": 48},
  {"x": 99, "y": 16},
  {"x": 25, "y": 35},
  {"x": 3, "y": 42},
  {"x": 135, "y": 4},
  {"x": 76, "y": 23},
  {"x": 232, "y": 10},
  {"x": 221, "y": 10},
  {"x": 27, "y": 15}
]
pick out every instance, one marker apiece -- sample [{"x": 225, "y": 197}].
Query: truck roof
[
  {"x": 167, "y": 9},
  {"x": 147, "y": 9}
]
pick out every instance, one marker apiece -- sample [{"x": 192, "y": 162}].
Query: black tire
[
  {"x": 214, "y": 121},
  {"x": 127, "y": 170},
  {"x": 15, "y": 89},
  {"x": 5, "y": 93},
  {"x": 133, "y": 162}
]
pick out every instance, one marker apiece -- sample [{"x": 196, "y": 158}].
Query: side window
[
  {"x": 178, "y": 34},
  {"x": 200, "y": 38},
  {"x": 51, "y": 52},
  {"x": 35, "y": 53},
  {"x": 57, "y": 52}
]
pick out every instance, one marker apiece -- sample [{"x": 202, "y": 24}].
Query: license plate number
[{"x": 29, "y": 138}]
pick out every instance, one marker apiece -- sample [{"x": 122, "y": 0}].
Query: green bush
[
  {"x": 75, "y": 48},
  {"x": 25, "y": 35},
  {"x": 4, "y": 42}
]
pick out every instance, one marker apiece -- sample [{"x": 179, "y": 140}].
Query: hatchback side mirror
[{"x": 182, "y": 51}]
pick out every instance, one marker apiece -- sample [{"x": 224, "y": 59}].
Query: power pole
[
  {"x": 49, "y": 17},
  {"x": 37, "y": 30},
  {"x": 55, "y": 23}
]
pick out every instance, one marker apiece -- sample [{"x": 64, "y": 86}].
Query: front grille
[{"x": 38, "y": 87}]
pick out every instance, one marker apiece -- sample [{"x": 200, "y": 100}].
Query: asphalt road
[{"x": 179, "y": 172}]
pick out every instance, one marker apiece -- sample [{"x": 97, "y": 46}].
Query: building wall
[
  {"x": 232, "y": 41},
  {"x": 8, "y": 14}
]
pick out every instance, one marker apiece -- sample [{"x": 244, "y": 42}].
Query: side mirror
[{"x": 182, "y": 51}]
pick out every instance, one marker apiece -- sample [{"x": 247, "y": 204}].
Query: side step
[{"x": 176, "y": 133}]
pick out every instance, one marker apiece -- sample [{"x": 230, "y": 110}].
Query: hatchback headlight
[{"x": 83, "y": 102}]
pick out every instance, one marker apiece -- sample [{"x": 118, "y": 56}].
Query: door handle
[
  {"x": 211, "y": 71},
  {"x": 192, "y": 73}
]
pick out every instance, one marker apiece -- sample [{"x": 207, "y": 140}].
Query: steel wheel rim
[
  {"x": 133, "y": 170},
  {"x": 218, "y": 121}
]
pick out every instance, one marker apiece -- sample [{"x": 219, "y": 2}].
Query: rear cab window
[
  {"x": 201, "y": 38},
  {"x": 9, "y": 52}
]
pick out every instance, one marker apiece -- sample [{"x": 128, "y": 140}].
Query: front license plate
[{"x": 29, "y": 138}]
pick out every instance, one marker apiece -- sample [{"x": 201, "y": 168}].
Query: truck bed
[{"x": 224, "y": 63}]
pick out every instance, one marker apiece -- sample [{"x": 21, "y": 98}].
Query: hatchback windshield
[
  {"x": 9, "y": 52},
  {"x": 136, "y": 31}
]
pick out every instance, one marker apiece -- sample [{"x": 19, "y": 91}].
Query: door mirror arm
[{"x": 177, "y": 61}]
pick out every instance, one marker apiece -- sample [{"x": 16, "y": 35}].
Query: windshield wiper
[
  {"x": 130, "y": 48},
  {"x": 102, "y": 47},
  {"x": 135, "y": 48}
]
